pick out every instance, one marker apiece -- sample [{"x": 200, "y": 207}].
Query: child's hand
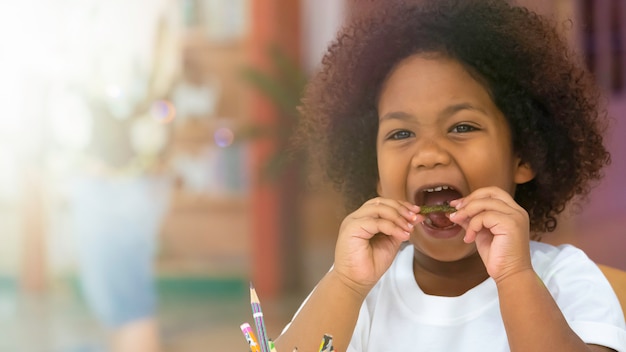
[
  {"x": 499, "y": 227},
  {"x": 369, "y": 239}
]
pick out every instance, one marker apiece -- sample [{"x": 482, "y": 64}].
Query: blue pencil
[{"x": 257, "y": 313}]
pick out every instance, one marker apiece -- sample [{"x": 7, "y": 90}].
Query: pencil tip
[{"x": 251, "y": 286}]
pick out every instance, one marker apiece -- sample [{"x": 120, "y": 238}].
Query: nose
[{"x": 428, "y": 154}]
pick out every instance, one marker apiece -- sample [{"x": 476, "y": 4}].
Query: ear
[{"x": 523, "y": 172}]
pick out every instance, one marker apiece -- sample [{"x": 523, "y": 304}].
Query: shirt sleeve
[{"x": 586, "y": 299}]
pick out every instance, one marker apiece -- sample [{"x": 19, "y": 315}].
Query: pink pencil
[{"x": 249, "y": 335}]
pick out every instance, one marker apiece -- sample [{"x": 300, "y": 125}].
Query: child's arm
[
  {"x": 500, "y": 229},
  {"x": 332, "y": 308},
  {"x": 532, "y": 319},
  {"x": 367, "y": 243}
]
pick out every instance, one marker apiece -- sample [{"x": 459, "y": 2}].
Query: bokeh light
[
  {"x": 163, "y": 111},
  {"x": 224, "y": 137}
]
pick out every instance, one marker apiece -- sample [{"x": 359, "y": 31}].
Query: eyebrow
[
  {"x": 396, "y": 115},
  {"x": 448, "y": 111},
  {"x": 453, "y": 109}
]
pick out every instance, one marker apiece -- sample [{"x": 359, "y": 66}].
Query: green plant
[
  {"x": 283, "y": 84},
  {"x": 287, "y": 168}
]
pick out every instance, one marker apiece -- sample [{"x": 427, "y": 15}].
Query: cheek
[
  {"x": 488, "y": 169},
  {"x": 391, "y": 175}
]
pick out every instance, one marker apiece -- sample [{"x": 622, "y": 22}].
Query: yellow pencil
[
  {"x": 327, "y": 343},
  {"x": 249, "y": 335}
]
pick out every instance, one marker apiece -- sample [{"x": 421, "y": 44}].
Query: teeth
[{"x": 436, "y": 189}]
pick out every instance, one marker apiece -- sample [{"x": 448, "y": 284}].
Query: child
[{"x": 475, "y": 104}]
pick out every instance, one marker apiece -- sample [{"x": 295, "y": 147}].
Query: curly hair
[{"x": 551, "y": 102}]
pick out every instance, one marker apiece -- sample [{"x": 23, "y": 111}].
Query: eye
[
  {"x": 403, "y": 134},
  {"x": 463, "y": 128}
]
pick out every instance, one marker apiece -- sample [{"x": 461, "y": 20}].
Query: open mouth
[{"x": 436, "y": 204}]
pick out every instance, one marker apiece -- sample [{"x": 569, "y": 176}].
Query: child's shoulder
[
  {"x": 551, "y": 251},
  {"x": 556, "y": 260}
]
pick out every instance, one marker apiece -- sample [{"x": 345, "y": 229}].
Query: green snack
[{"x": 443, "y": 208}]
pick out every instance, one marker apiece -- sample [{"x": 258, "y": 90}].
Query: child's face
[{"x": 438, "y": 127}]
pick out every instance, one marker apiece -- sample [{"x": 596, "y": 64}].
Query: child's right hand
[{"x": 369, "y": 240}]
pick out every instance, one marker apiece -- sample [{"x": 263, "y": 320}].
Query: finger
[
  {"x": 485, "y": 193},
  {"x": 483, "y": 241},
  {"x": 411, "y": 207},
  {"x": 408, "y": 210},
  {"x": 492, "y": 222},
  {"x": 477, "y": 206},
  {"x": 387, "y": 209},
  {"x": 368, "y": 228},
  {"x": 472, "y": 227}
]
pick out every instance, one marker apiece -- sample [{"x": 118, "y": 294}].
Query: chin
[{"x": 452, "y": 251}]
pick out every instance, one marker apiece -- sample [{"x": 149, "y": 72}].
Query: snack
[{"x": 442, "y": 208}]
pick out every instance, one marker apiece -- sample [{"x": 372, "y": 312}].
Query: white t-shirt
[{"x": 398, "y": 316}]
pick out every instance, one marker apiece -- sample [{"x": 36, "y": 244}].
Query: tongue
[
  {"x": 441, "y": 197},
  {"x": 439, "y": 220}
]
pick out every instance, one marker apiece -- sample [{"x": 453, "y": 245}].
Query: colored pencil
[
  {"x": 327, "y": 343},
  {"x": 257, "y": 313},
  {"x": 249, "y": 335},
  {"x": 271, "y": 345}
]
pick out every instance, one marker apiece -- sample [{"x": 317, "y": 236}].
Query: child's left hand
[{"x": 499, "y": 227}]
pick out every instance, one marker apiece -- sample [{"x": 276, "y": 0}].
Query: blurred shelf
[{"x": 206, "y": 236}]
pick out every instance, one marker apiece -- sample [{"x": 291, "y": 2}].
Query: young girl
[{"x": 475, "y": 104}]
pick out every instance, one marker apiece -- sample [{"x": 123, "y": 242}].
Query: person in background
[
  {"x": 117, "y": 211},
  {"x": 121, "y": 192},
  {"x": 479, "y": 110}
]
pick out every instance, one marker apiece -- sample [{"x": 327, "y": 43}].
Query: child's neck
[{"x": 448, "y": 278}]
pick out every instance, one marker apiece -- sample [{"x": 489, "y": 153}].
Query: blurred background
[{"x": 145, "y": 180}]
